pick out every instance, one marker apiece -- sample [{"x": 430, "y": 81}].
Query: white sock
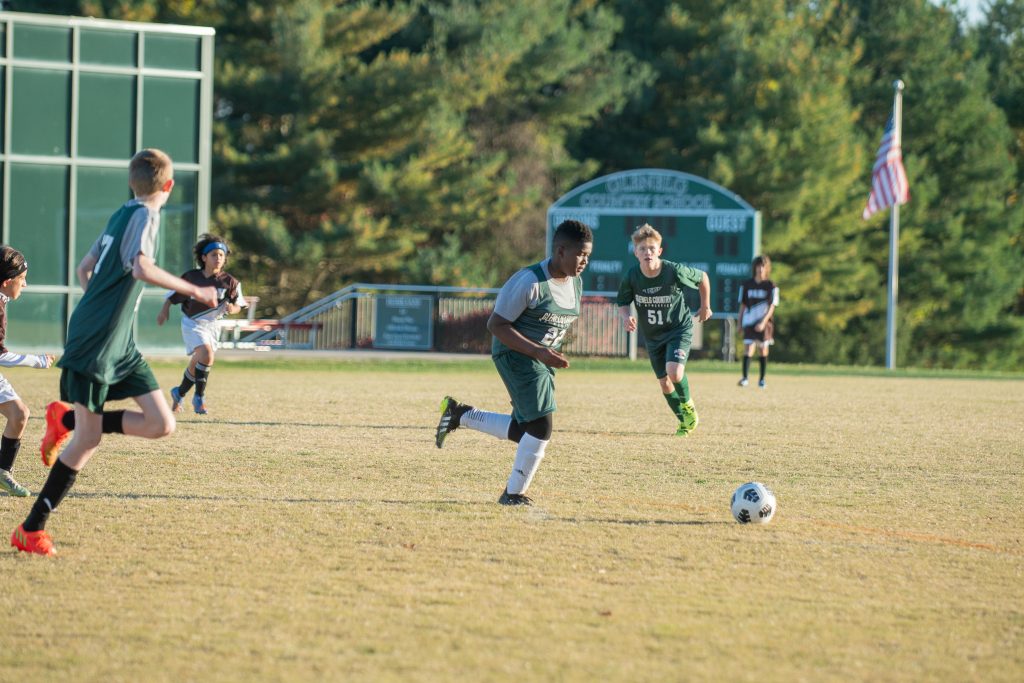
[
  {"x": 528, "y": 457},
  {"x": 494, "y": 424}
]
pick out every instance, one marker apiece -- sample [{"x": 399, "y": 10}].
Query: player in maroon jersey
[{"x": 199, "y": 321}]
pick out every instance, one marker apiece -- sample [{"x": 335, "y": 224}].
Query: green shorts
[
  {"x": 530, "y": 384},
  {"x": 78, "y": 388},
  {"x": 672, "y": 348}
]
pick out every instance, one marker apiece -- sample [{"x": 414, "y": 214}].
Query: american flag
[{"x": 888, "y": 179}]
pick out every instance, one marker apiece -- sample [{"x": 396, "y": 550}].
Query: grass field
[{"x": 309, "y": 530}]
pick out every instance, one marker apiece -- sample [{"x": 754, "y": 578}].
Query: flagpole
[{"x": 894, "y": 238}]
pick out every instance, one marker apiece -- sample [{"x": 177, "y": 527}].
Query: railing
[{"x": 456, "y": 322}]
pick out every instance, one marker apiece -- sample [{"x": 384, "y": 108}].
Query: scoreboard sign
[{"x": 702, "y": 225}]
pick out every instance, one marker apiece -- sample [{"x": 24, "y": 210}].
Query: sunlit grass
[{"x": 307, "y": 529}]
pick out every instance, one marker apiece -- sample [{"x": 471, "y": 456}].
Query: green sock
[
  {"x": 674, "y": 402},
  {"x": 683, "y": 388}
]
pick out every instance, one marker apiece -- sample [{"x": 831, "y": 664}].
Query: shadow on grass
[
  {"x": 85, "y": 495},
  {"x": 635, "y": 522},
  {"x": 416, "y": 427}
]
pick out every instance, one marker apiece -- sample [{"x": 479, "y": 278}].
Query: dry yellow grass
[{"x": 309, "y": 530}]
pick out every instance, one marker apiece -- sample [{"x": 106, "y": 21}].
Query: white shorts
[
  {"x": 7, "y": 392},
  {"x": 196, "y": 333}
]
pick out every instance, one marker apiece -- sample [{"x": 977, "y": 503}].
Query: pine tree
[
  {"x": 958, "y": 280},
  {"x": 753, "y": 95}
]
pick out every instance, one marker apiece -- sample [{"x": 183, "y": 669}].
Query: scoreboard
[{"x": 702, "y": 225}]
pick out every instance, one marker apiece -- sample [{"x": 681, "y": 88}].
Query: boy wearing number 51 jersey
[
  {"x": 101, "y": 362},
  {"x": 655, "y": 287},
  {"x": 532, "y": 313}
]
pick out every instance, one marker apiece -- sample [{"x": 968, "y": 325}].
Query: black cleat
[
  {"x": 514, "y": 499},
  {"x": 451, "y": 412}
]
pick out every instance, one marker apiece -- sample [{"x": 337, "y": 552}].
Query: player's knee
[
  {"x": 86, "y": 440},
  {"x": 540, "y": 428},
  {"x": 18, "y": 417},
  {"x": 666, "y": 384},
  {"x": 164, "y": 427},
  {"x": 205, "y": 354}
]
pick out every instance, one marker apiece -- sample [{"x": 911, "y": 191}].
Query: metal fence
[{"x": 348, "y": 319}]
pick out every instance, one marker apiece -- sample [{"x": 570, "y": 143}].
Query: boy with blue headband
[{"x": 199, "y": 321}]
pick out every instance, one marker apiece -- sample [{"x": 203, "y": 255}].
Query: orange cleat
[
  {"x": 56, "y": 433},
  {"x": 38, "y": 542}
]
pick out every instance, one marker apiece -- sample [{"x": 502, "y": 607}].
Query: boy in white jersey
[
  {"x": 13, "y": 278},
  {"x": 532, "y": 313},
  {"x": 199, "y": 321},
  {"x": 655, "y": 287}
]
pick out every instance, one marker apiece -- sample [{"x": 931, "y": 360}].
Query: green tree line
[{"x": 421, "y": 141}]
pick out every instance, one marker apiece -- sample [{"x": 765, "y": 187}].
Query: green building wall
[{"x": 79, "y": 98}]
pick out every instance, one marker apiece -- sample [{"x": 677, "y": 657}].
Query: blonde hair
[
  {"x": 149, "y": 171},
  {"x": 763, "y": 261},
  {"x": 645, "y": 232}
]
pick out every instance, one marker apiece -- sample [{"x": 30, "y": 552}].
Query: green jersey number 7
[{"x": 105, "y": 242}]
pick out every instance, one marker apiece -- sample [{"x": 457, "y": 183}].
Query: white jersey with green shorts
[{"x": 542, "y": 309}]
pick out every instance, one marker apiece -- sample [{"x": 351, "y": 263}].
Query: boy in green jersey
[
  {"x": 101, "y": 362},
  {"x": 655, "y": 287},
  {"x": 532, "y": 313}
]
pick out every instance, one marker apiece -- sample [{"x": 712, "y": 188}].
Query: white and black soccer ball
[{"x": 753, "y": 503}]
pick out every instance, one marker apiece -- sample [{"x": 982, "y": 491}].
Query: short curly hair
[
  {"x": 572, "y": 232},
  {"x": 205, "y": 240}
]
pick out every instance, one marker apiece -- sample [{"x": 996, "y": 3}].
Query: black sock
[
  {"x": 764, "y": 365},
  {"x": 202, "y": 374},
  {"x": 56, "y": 487},
  {"x": 113, "y": 421},
  {"x": 187, "y": 381},
  {"x": 8, "y": 452},
  {"x": 746, "y": 366}
]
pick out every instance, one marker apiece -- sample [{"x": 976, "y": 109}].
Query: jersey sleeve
[
  {"x": 689, "y": 277},
  {"x": 238, "y": 298},
  {"x": 517, "y": 294},
  {"x": 625, "y": 295},
  {"x": 140, "y": 236},
  {"x": 96, "y": 249},
  {"x": 775, "y": 296}
]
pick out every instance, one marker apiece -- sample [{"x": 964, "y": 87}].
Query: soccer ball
[{"x": 753, "y": 503}]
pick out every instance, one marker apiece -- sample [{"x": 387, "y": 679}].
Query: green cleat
[
  {"x": 451, "y": 411},
  {"x": 13, "y": 488},
  {"x": 688, "y": 421}
]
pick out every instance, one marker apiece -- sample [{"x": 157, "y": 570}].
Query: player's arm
[
  {"x": 628, "y": 321},
  {"x": 165, "y": 312},
  {"x": 771, "y": 310},
  {"x": 41, "y": 361},
  {"x": 764, "y": 321},
  {"x": 704, "y": 289},
  {"x": 624, "y": 299},
  {"x": 513, "y": 339},
  {"x": 145, "y": 268},
  {"x": 84, "y": 269}
]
